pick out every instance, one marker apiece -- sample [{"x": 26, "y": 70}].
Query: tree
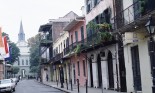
[
  {"x": 15, "y": 70},
  {"x": 34, "y": 69},
  {"x": 34, "y": 53},
  {"x": 14, "y": 50}
]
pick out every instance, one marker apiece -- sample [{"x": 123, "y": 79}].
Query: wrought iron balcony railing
[
  {"x": 70, "y": 48},
  {"x": 132, "y": 13},
  {"x": 57, "y": 57},
  {"x": 89, "y": 42}
]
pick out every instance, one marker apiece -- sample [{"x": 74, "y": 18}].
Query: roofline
[
  {"x": 73, "y": 23},
  {"x": 42, "y": 26}
]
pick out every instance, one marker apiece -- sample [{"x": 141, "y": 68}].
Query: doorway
[
  {"x": 91, "y": 72},
  {"x": 99, "y": 70},
  {"x": 110, "y": 71},
  {"x": 23, "y": 72},
  {"x": 74, "y": 73},
  {"x": 136, "y": 68}
]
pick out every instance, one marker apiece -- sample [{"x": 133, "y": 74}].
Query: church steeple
[{"x": 21, "y": 34}]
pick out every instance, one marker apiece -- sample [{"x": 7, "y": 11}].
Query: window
[
  {"x": 26, "y": 62},
  {"x": 82, "y": 33},
  {"x": 107, "y": 16},
  {"x": 89, "y": 5},
  {"x": 78, "y": 64},
  {"x": 95, "y": 2},
  {"x": 56, "y": 50},
  {"x": 61, "y": 47},
  {"x": 67, "y": 42},
  {"x": 76, "y": 36},
  {"x": 22, "y": 61},
  {"x": 18, "y": 62},
  {"x": 53, "y": 52},
  {"x": 64, "y": 44},
  {"x": 84, "y": 68},
  {"x": 71, "y": 39}
]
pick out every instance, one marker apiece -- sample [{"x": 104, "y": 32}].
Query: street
[{"x": 32, "y": 86}]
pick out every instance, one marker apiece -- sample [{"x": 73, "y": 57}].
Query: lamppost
[
  {"x": 150, "y": 25},
  {"x": 61, "y": 76}
]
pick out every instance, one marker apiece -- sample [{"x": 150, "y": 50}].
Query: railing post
[
  {"x": 71, "y": 85},
  {"x": 86, "y": 86},
  {"x": 66, "y": 84},
  {"x": 78, "y": 85}
]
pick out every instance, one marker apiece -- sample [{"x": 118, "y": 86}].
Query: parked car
[
  {"x": 15, "y": 80},
  {"x": 7, "y": 85}
]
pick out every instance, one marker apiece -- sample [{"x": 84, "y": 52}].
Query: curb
[{"x": 55, "y": 87}]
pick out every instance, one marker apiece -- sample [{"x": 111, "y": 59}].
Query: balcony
[
  {"x": 45, "y": 35},
  {"x": 44, "y": 61},
  {"x": 100, "y": 38},
  {"x": 45, "y": 43},
  {"x": 95, "y": 41},
  {"x": 136, "y": 14},
  {"x": 70, "y": 48},
  {"x": 57, "y": 58}
]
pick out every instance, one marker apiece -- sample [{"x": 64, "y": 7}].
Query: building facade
[
  {"x": 54, "y": 29},
  {"x": 116, "y": 48},
  {"x": 103, "y": 60},
  {"x": 131, "y": 21},
  {"x": 76, "y": 60},
  {"x": 23, "y": 62}
]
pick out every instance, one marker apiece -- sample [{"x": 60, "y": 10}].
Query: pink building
[{"x": 77, "y": 34}]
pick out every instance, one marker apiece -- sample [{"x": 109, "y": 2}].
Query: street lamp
[
  {"x": 150, "y": 25},
  {"x": 61, "y": 75}
]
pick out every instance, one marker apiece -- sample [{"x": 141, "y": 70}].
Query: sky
[{"x": 33, "y": 13}]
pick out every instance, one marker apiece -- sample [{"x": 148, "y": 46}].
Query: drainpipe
[
  {"x": 116, "y": 57},
  {"x": 116, "y": 53}
]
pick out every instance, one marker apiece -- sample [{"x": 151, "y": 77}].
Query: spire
[{"x": 21, "y": 34}]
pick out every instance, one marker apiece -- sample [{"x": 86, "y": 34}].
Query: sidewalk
[{"x": 75, "y": 89}]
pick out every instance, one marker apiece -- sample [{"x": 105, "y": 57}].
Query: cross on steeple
[{"x": 21, "y": 34}]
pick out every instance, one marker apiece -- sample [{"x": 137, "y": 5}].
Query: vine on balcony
[
  {"x": 102, "y": 31},
  {"x": 77, "y": 50}
]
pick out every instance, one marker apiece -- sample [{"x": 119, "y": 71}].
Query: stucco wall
[
  {"x": 144, "y": 67},
  {"x": 82, "y": 78},
  {"x": 78, "y": 29},
  {"x": 96, "y": 10},
  {"x": 104, "y": 67},
  {"x": 60, "y": 40}
]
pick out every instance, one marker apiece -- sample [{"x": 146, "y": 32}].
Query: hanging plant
[
  {"x": 91, "y": 25},
  {"x": 102, "y": 32},
  {"x": 104, "y": 27},
  {"x": 105, "y": 36},
  {"x": 77, "y": 49}
]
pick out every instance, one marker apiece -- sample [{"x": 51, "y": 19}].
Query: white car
[
  {"x": 15, "y": 80},
  {"x": 7, "y": 85}
]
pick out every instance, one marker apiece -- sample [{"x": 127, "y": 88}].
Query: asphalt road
[{"x": 32, "y": 86}]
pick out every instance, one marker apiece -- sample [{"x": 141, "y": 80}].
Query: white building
[
  {"x": 103, "y": 67},
  {"x": 23, "y": 62}
]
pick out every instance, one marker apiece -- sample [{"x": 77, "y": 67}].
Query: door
[
  {"x": 74, "y": 73},
  {"x": 122, "y": 69},
  {"x": 110, "y": 71},
  {"x": 91, "y": 72},
  {"x": 136, "y": 68},
  {"x": 99, "y": 70},
  {"x": 23, "y": 73}
]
